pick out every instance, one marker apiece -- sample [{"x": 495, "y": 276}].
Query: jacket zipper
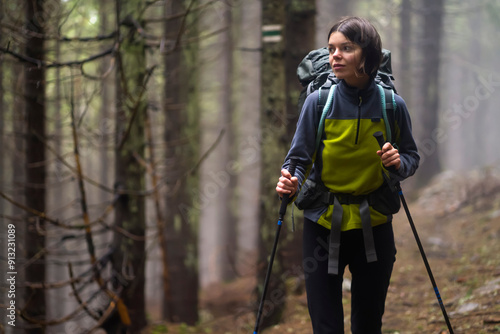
[{"x": 359, "y": 120}]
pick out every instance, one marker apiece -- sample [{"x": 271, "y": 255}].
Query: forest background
[{"x": 142, "y": 140}]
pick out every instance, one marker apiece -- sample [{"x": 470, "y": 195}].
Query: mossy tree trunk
[
  {"x": 300, "y": 32},
  {"x": 274, "y": 144},
  {"x": 131, "y": 105},
  {"x": 428, "y": 91},
  {"x": 179, "y": 239},
  {"x": 35, "y": 191},
  {"x": 280, "y": 91}
]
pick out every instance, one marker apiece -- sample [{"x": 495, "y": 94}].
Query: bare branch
[
  {"x": 53, "y": 322},
  {"x": 77, "y": 295},
  {"x": 184, "y": 14},
  {"x": 131, "y": 21},
  {"x": 52, "y": 285},
  {"x": 181, "y": 29},
  {"x": 49, "y": 64},
  {"x": 81, "y": 186},
  {"x": 160, "y": 222},
  {"x": 207, "y": 153},
  {"x": 47, "y": 37},
  {"x": 102, "y": 76},
  {"x": 34, "y": 212},
  {"x": 111, "y": 307},
  {"x": 88, "y": 232},
  {"x": 135, "y": 108},
  {"x": 89, "y": 39}
]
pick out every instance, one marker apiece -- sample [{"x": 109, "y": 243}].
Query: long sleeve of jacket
[
  {"x": 406, "y": 144},
  {"x": 303, "y": 145}
]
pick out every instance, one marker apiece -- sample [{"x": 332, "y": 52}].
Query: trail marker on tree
[{"x": 271, "y": 33}]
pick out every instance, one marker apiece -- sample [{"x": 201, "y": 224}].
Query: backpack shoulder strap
[
  {"x": 325, "y": 103},
  {"x": 388, "y": 107},
  {"x": 323, "y": 94}
]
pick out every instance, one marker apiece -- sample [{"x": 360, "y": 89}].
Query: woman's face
[{"x": 345, "y": 59}]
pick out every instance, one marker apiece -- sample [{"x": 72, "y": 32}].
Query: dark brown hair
[{"x": 361, "y": 32}]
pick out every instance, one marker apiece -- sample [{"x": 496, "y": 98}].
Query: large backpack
[{"x": 314, "y": 73}]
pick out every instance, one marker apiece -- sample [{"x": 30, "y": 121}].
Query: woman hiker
[{"x": 350, "y": 168}]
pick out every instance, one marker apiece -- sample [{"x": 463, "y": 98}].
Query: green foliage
[
  {"x": 159, "y": 329},
  {"x": 179, "y": 329},
  {"x": 302, "y": 6},
  {"x": 493, "y": 9},
  {"x": 79, "y": 20}
]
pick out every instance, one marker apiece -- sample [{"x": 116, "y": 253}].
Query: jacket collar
[{"x": 353, "y": 93}]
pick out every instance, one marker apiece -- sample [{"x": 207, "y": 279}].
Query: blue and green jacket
[{"x": 346, "y": 161}]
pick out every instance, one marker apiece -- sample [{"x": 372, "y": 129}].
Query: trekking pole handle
[
  {"x": 380, "y": 138},
  {"x": 381, "y": 141},
  {"x": 286, "y": 197}
]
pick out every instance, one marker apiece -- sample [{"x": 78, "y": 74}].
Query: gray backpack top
[{"x": 314, "y": 72}]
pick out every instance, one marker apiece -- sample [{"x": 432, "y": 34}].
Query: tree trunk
[
  {"x": 35, "y": 162},
  {"x": 129, "y": 253},
  {"x": 56, "y": 307},
  {"x": 299, "y": 40},
  {"x": 274, "y": 143},
  {"x": 403, "y": 83},
  {"x": 280, "y": 93},
  {"x": 216, "y": 235},
  {"x": 3, "y": 221},
  {"x": 476, "y": 124},
  {"x": 329, "y": 12},
  {"x": 428, "y": 91},
  {"x": 17, "y": 164},
  {"x": 247, "y": 95},
  {"x": 180, "y": 286},
  {"x": 106, "y": 111},
  {"x": 2, "y": 128}
]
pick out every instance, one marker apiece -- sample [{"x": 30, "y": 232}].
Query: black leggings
[{"x": 370, "y": 281}]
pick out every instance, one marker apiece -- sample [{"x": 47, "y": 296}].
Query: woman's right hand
[{"x": 287, "y": 185}]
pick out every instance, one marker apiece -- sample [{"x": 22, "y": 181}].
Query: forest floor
[{"x": 458, "y": 221}]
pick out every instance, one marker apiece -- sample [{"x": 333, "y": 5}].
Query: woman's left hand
[{"x": 389, "y": 156}]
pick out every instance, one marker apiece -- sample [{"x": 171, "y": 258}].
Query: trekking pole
[
  {"x": 284, "y": 203},
  {"x": 380, "y": 138}
]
